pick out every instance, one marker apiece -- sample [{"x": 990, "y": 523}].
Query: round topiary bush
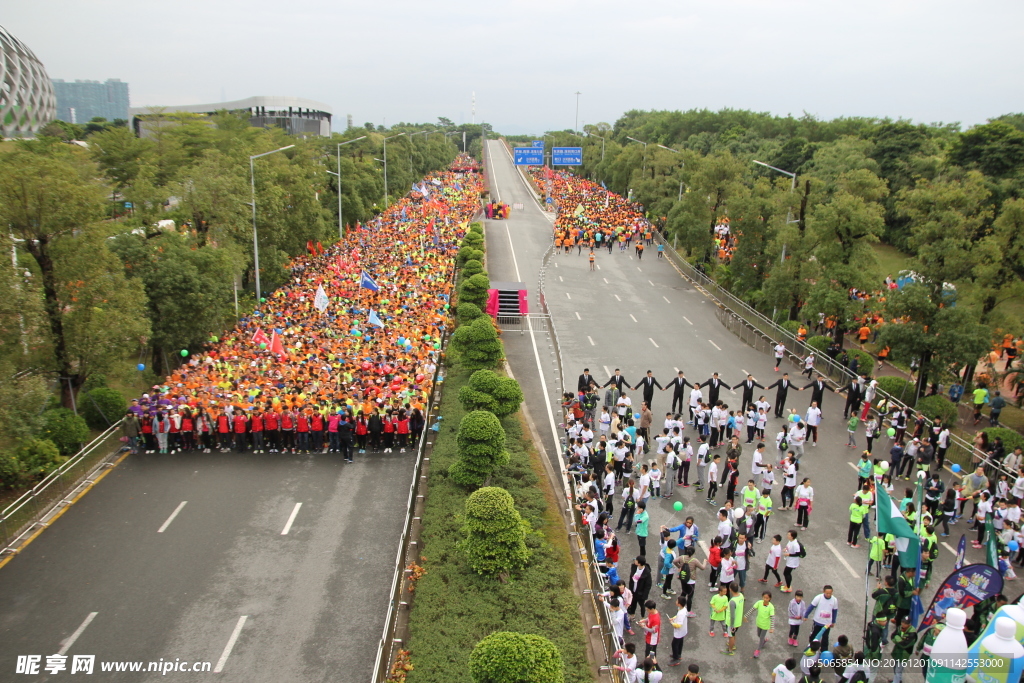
[
  {"x": 474, "y": 289},
  {"x": 790, "y": 326},
  {"x": 65, "y": 429},
  {"x": 481, "y": 449},
  {"x": 937, "y": 406},
  {"x": 898, "y": 388},
  {"x": 471, "y": 268},
  {"x": 476, "y": 227},
  {"x": 102, "y": 407},
  {"x": 509, "y": 657},
  {"x": 489, "y": 391},
  {"x": 477, "y": 343},
  {"x": 467, "y": 312},
  {"x": 469, "y": 254},
  {"x": 865, "y": 361},
  {"x": 495, "y": 534},
  {"x": 819, "y": 343},
  {"x": 38, "y": 457}
]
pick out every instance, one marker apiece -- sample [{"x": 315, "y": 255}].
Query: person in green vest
[
  {"x": 765, "y": 620},
  {"x": 903, "y": 641},
  {"x": 873, "y": 640},
  {"x": 876, "y": 556},
  {"x": 905, "y": 592},
  {"x": 642, "y": 525},
  {"x": 735, "y": 616},
  {"x": 924, "y": 646},
  {"x": 886, "y": 601},
  {"x": 863, "y": 469},
  {"x": 857, "y": 511},
  {"x": 929, "y": 552},
  {"x": 764, "y": 511},
  {"x": 750, "y": 495}
]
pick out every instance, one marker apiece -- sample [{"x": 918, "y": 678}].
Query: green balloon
[
  {"x": 437, "y": 345},
  {"x": 263, "y": 345},
  {"x": 677, "y": 506},
  {"x": 184, "y": 352},
  {"x": 891, "y": 431},
  {"x": 263, "y": 299}
]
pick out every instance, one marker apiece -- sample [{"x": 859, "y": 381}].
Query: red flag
[
  {"x": 319, "y": 249},
  {"x": 276, "y": 347},
  {"x": 430, "y": 228},
  {"x": 310, "y": 248},
  {"x": 260, "y": 338}
]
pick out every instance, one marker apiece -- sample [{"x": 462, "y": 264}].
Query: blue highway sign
[
  {"x": 528, "y": 156},
  {"x": 566, "y": 156}
]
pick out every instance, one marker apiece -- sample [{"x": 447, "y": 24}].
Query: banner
[
  {"x": 961, "y": 551},
  {"x": 964, "y": 588}
]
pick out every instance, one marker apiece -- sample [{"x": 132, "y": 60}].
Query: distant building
[
  {"x": 295, "y": 115},
  {"x": 82, "y": 101},
  {"x": 26, "y": 96}
]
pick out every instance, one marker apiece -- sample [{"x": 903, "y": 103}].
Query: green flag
[
  {"x": 991, "y": 553},
  {"x": 892, "y": 521}
]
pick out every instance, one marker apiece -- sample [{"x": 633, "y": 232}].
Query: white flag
[{"x": 320, "y": 301}]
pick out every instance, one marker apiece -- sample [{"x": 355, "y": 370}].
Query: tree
[
  {"x": 102, "y": 407},
  {"x": 474, "y": 289},
  {"x": 996, "y": 149},
  {"x": 120, "y": 155},
  {"x": 23, "y": 396},
  {"x": 481, "y": 447},
  {"x": 999, "y": 273},
  {"x": 46, "y": 194},
  {"x": 509, "y": 657},
  {"x": 489, "y": 391},
  {"x": 65, "y": 429},
  {"x": 712, "y": 184},
  {"x": 477, "y": 343},
  {"x": 495, "y": 534}
]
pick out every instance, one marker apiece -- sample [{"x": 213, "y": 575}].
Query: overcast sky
[{"x": 399, "y": 60}]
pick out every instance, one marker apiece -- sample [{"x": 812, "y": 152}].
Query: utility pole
[{"x": 577, "y": 128}]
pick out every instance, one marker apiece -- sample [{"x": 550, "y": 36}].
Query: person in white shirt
[
  {"x": 762, "y": 404},
  {"x": 702, "y": 463},
  {"x": 587, "y": 434},
  {"x": 728, "y": 568},
  {"x": 762, "y": 422},
  {"x": 792, "y": 555},
  {"x": 813, "y": 419},
  {"x": 825, "y": 610},
  {"x": 757, "y": 462},
  {"x": 695, "y": 400},
  {"x": 797, "y": 437},
  {"x": 804, "y": 501},
  {"x": 780, "y": 353},
  {"x": 644, "y": 483},
  {"x": 725, "y": 528},
  {"x": 671, "y": 466},
  {"x": 680, "y": 628},
  {"x": 783, "y": 673},
  {"x": 624, "y": 406},
  {"x": 618, "y": 615},
  {"x": 606, "y": 421},
  {"x": 788, "y": 482},
  {"x": 712, "y": 480},
  {"x": 628, "y": 667}
]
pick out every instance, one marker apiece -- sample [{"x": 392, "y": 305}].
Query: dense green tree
[
  {"x": 996, "y": 149},
  {"x": 487, "y": 390},
  {"x": 508, "y": 657},
  {"x": 477, "y": 343},
  {"x": 999, "y": 273},
  {"x": 481, "y": 441}
]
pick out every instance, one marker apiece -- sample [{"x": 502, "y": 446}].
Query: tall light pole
[
  {"x": 255, "y": 240},
  {"x": 578, "y": 93},
  {"x": 792, "y": 187},
  {"x": 680, "y": 198},
  {"x": 398, "y": 135},
  {"x": 645, "y": 150},
  {"x": 341, "y": 228}
]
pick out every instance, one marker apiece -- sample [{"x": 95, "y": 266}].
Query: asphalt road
[
  {"x": 641, "y": 315},
  {"x": 314, "y": 599}
]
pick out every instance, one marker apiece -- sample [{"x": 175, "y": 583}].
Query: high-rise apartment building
[{"x": 81, "y": 101}]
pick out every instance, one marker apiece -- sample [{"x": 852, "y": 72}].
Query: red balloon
[
  {"x": 419, "y": 378},
  {"x": 366, "y": 366}
]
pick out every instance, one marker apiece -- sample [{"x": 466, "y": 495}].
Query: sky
[{"x": 401, "y": 60}]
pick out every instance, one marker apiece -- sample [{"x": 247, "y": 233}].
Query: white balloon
[
  {"x": 737, "y": 513},
  {"x": 884, "y": 465}
]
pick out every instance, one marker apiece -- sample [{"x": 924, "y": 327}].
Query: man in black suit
[
  {"x": 583, "y": 383},
  {"x": 641, "y": 587},
  {"x": 714, "y": 385},
  {"x": 618, "y": 380},
  {"x": 678, "y": 387},
  {"x": 648, "y": 383},
  {"x": 748, "y": 390},
  {"x": 854, "y": 395},
  {"x": 783, "y": 385},
  {"x": 818, "y": 388}
]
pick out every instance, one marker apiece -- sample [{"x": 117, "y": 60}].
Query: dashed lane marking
[
  {"x": 715, "y": 345},
  {"x": 654, "y": 342},
  {"x": 578, "y": 315},
  {"x": 687, "y": 319}
]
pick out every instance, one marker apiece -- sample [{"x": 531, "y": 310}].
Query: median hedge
[{"x": 455, "y": 606}]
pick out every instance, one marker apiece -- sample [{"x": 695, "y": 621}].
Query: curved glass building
[{"x": 27, "y": 102}]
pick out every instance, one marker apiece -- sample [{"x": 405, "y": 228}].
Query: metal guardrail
[
  {"x": 764, "y": 334},
  {"x": 56, "y": 490}
]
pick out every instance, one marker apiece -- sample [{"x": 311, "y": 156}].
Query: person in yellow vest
[
  {"x": 765, "y": 621},
  {"x": 734, "y": 618},
  {"x": 857, "y": 511}
]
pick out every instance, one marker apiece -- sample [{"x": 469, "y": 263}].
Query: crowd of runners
[
  {"x": 342, "y": 358},
  {"x": 738, "y": 446}
]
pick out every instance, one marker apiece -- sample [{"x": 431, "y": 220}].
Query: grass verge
[{"x": 454, "y": 608}]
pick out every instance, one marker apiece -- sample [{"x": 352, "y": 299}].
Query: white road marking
[
  {"x": 630, "y": 258},
  {"x": 74, "y": 636},
  {"x": 616, "y": 297},
  {"x": 715, "y": 345},
  {"x": 567, "y": 295},
  {"x": 578, "y": 315},
  {"x": 291, "y": 519},
  {"x": 704, "y": 546},
  {"x": 598, "y": 266},
  {"x": 231, "y": 644},
  {"x": 638, "y": 268},
  {"x": 591, "y": 341},
  {"x": 842, "y": 559},
  {"x": 654, "y": 342},
  {"x": 687, "y": 319},
  {"x": 171, "y": 518},
  {"x": 675, "y": 368},
  {"x": 853, "y": 466},
  {"x": 560, "y": 279},
  {"x": 556, "y": 264},
  {"x": 607, "y": 371},
  {"x": 949, "y": 547},
  {"x": 744, "y": 371},
  {"x": 666, "y": 299},
  {"x": 652, "y": 284},
  {"x": 631, "y": 316},
  {"x": 605, "y": 280}
]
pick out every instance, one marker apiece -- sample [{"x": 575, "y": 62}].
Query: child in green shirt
[
  {"x": 857, "y": 511},
  {"x": 719, "y": 606},
  {"x": 765, "y": 621},
  {"x": 851, "y": 428},
  {"x": 876, "y": 555}
]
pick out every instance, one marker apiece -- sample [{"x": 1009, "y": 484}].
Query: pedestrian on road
[
  {"x": 642, "y": 525},
  {"x": 765, "y": 620},
  {"x": 804, "y": 503},
  {"x": 639, "y": 584},
  {"x": 735, "y": 618},
  {"x": 772, "y": 561},
  {"x": 796, "y": 617},
  {"x": 781, "y": 393},
  {"x": 780, "y": 353},
  {"x": 793, "y": 552},
  {"x": 825, "y": 610},
  {"x": 680, "y": 623},
  {"x": 818, "y": 388}
]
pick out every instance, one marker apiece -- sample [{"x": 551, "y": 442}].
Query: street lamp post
[
  {"x": 341, "y": 225},
  {"x": 255, "y": 240},
  {"x": 578, "y": 93},
  {"x": 645, "y": 151},
  {"x": 789, "y": 213},
  {"x": 398, "y": 135},
  {"x": 680, "y": 198}
]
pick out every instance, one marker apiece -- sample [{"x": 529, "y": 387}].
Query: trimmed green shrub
[
  {"x": 495, "y": 534},
  {"x": 481, "y": 441},
  {"x": 507, "y": 657},
  {"x": 865, "y": 361},
  {"x": 467, "y": 312},
  {"x": 476, "y": 227},
  {"x": 39, "y": 457},
  {"x": 819, "y": 343},
  {"x": 469, "y": 254},
  {"x": 898, "y": 388},
  {"x": 790, "y": 326},
  {"x": 65, "y": 429},
  {"x": 938, "y": 406},
  {"x": 477, "y": 344},
  {"x": 474, "y": 240},
  {"x": 102, "y": 407},
  {"x": 1011, "y": 439},
  {"x": 490, "y": 391},
  {"x": 12, "y": 472},
  {"x": 471, "y": 268},
  {"x": 474, "y": 289}
]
